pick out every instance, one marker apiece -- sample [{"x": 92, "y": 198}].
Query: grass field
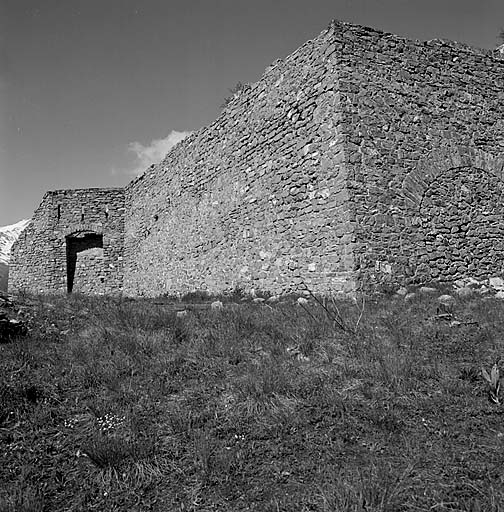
[{"x": 116, "y": 405}]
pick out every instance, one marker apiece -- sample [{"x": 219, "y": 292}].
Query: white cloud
[{"x": 155, "y": 151}]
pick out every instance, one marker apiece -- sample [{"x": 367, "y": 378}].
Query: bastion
[{"x": 362, "y": 158}]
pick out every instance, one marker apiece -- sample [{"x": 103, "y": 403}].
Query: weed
[
  {"x": 493, "y": 383},
  {"x": 106, "y": 452},
  {"x": 196, "y": 296},
  {"x": 380, "y": 488},
  {"x": 317, "y": 405},
  {"x": 24, "y": 498},
  {"x": 332, "y": 310}
]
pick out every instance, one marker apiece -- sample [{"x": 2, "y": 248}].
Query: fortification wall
[
  {"x": 255, "y": 200},
  {"x": 73, "y": 243},
  {"x": 425, "y": 147},
  {"x": 359, "y": 159},
  {"x": 362, "y": 157}
]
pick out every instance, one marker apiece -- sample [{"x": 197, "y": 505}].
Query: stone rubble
[{"x": 11, "y": 327}]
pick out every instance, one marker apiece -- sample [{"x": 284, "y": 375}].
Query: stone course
[{"x": 360, "y": 159}]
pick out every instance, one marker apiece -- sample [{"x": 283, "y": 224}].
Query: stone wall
[
  {"x": 424, "y": 124},
  {"x": 73, "y": 243},
  {"x": 305, "y": 177},
  {"x": 257, "y": 199},
  {"x": 360, "y": 159}
]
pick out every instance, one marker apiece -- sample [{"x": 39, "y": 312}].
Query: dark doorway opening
[{"x": 84, "y": 255}]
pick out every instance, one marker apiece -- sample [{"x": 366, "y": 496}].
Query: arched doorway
[
  {"x": 461, "y": 226},
  {"x": 85, "y": 262}
]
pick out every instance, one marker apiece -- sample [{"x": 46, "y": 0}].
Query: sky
[{"x": 94, "y": 91}]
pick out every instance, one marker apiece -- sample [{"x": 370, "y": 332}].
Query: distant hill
[{"x": 8, "y": 235}]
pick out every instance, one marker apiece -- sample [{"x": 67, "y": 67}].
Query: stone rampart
[
  {"x": 304, "y": 177},
  {"x": 360, "y": 159},
  {"x": 257, "y": 199}
]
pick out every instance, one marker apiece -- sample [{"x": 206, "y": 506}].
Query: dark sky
[{"x": 92, "y": 91}]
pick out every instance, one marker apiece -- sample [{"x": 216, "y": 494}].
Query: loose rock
[
  {"x": 446, "y": 300},
  {"x": 464, "y": 292},
  {"x": 11, "y": 328},
  {"x": 427, "y": 289},
  {"x": 497, "y": 283}
]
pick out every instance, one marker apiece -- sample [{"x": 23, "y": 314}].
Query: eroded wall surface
[
  {"x": 60, "y": 249},
  {"x": 256, "y": 200}
]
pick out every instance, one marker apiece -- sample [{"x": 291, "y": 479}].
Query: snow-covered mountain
[{"x": 8, "y": 235}]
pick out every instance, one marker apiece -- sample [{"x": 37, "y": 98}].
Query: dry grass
[{"x": 117, "y": 405}]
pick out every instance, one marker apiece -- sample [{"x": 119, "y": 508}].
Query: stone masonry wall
[
  {"x": 63, "y": 238},
  {"x": 424, "y": 125},
  {"x": 321, "y": 174},
  {"x": 256, "y": 200},
  {"x": 360, "y": 159}
]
